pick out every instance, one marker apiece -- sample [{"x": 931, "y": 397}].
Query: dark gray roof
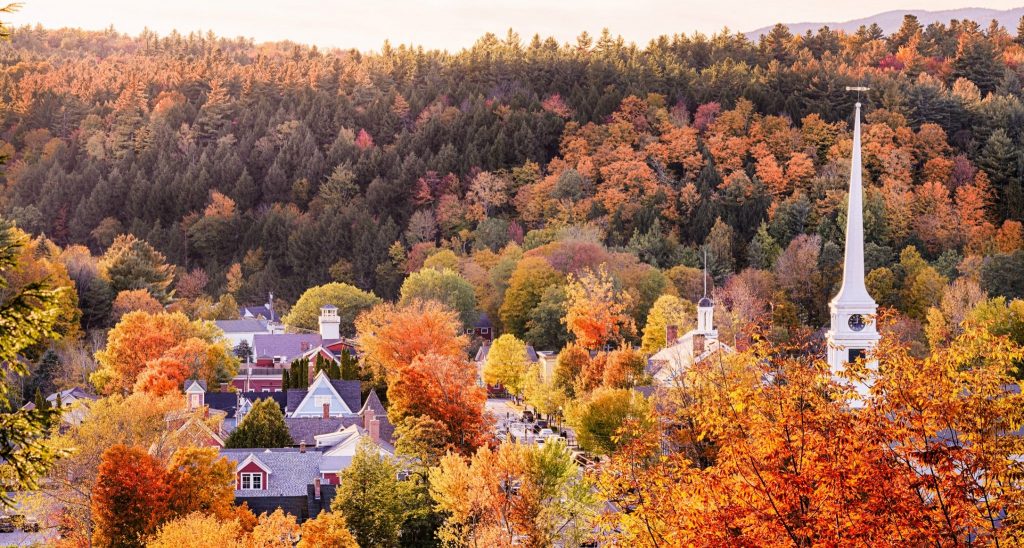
[
  {"x": 483, "y": 321},
  {"x": 224, "y": 401},
  {"x": 704, "y": 302},
  {"x": 373, "y": 403},
  {"x": 76, "y": 392},
  {"x": 190, "y": 382},
  {"x": 290, "y": 471},
  {"x": 350, "y": 392},
  {"x": 246, "y": 325},
  {"x": 289, "y": 345},
  {"x": 261, "y": 311},
  {"x": 387, "y": 430},
  {"x": 306, "y": 428},
  {"x": 280, "y": 397}
]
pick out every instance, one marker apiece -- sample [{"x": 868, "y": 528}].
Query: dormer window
[{"x": 252, "y": 480}]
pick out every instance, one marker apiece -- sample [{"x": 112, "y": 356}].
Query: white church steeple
[{"x": 853, "y": 332}]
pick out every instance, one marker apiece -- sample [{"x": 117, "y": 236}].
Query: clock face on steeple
[{"x": 856, "y": 322}]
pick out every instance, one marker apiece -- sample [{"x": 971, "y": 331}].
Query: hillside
[
  {"x": 258, "y": 168},
  {"x": 890, "y": 21}
]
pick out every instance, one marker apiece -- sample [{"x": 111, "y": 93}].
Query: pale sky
[{"x": 452, "y": 24}]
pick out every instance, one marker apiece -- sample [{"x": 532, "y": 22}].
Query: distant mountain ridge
[{"x": 890, "y": 21}]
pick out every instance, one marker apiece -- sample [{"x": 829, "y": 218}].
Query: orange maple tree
[
  {"x": 596, "y": 312},
  {"x": 792, "y": 456}
]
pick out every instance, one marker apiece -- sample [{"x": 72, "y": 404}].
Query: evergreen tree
[
  {"x": 349, "y": 366},
  {"x": 40, "y": 402},
  {"x": 244, "y": 351},
  {"x": 763, "y": 249},
  {"x": 131, "y": 263},
  {"x": 263, "y": 426},
  {"x": 285, "y": 380}
]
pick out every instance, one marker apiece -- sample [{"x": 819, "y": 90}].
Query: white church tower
[
  {"x": 853, "y": 332},
  {"x": 706, "y": 309}
]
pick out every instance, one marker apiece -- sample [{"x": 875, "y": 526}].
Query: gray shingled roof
[
  {"x": 224, "y": 401},
  {"x": 387, "y": 430},
  {"x": 373, "y": 403},
  {"x": 259, "y": 311},
  {"x": 306, "y": 428},
  {"x": 289, "y": 345},
  {"x": 280, "y": 397},
  {"x": 247, "y": 325},
  {"x": 290, "y": 471},
  {"x": 350, "y": 392}
]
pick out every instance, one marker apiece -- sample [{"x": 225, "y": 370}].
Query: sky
[{"x": 451, "y": 24}]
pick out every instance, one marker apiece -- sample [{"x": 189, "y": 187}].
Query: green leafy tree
[
  {"x": 544, "y": 329},
  {"x": 372, "y": 498},
  {"x": 446, "y": 287},
  {"x": 543, "y": 395},
  {"x": 27, "y": 317},
  {"x": 349, "y": 300},
  {"x": 1001, "y": 274},
  {"x": 530, "y": 279},
  {"x": 131, "y": 263},
  {"x": 597, "y": 418},
  {"x": 262, "y": 426}
]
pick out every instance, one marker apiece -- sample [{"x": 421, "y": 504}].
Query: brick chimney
[
  {"x": 374, "y": 429},
  {"x": 671, "y": 334},
  {"x": 302, "y": 446},
  {"x": 698, "y": 344},
  {"x": 327, "y": 410},
  {"x": 316, "y": 489}
]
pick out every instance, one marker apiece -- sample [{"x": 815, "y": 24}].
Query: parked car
[
  {"x": 7, "y": 524},
  {"x": 542, "y": 423},
  {"x": 544, "y": 433},
  {"x": 527, "y": 416}
]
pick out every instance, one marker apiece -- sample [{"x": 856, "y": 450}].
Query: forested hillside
[{"x": 276, "y": 167}]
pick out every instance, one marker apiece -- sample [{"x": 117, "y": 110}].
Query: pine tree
[
  {"x": 349, "y": 366},
  {"x": 285, "y": 380},
  {"x": 763, "y": 249},
  {"x": 40, "y": 402}
]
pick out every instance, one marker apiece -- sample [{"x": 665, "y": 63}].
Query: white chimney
[{"x": 330, "y": 323}]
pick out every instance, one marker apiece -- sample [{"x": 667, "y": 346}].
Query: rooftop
[{"x": 290, "y": 470}]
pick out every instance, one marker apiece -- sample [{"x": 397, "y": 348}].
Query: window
[
  {"x": 856, "y": 353},
  {"x": 265, "y": 390},
  {"x": 252, "y": 480},
  {"x": 320, "y": 401},
  {"x": 485, "y": 330}
]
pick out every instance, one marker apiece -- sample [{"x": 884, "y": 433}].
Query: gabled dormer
[
  {"x": 195, "y": 393},
  {"x": 322, "y": 400},
  {"x": 252, "y": 474}
]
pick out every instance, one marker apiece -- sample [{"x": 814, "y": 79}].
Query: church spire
[
  {"x": 853, "y": 290},
  {"x": 705, "y": 308}
]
